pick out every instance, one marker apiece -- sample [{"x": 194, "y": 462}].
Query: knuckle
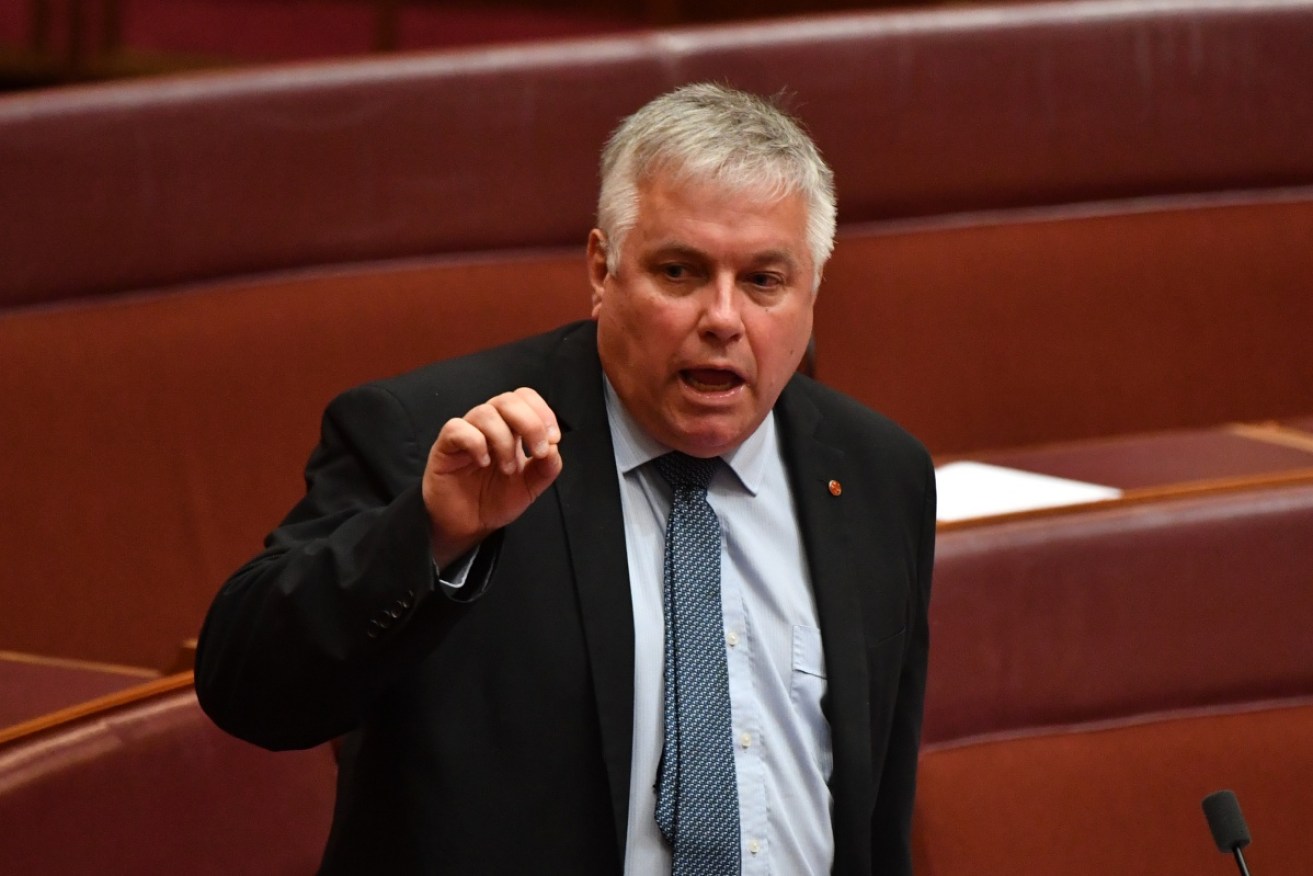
[{"x": 481, "y": 415}]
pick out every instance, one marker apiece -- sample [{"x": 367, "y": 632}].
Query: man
[{"x": 478, "y": 595}]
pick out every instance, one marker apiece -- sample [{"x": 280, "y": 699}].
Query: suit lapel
[
  {"x": 832, "y": 558},
  {"x": 588, "y": 493}
]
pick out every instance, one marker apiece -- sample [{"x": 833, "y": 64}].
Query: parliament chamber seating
[
  {"x": 1119, "y": 798},
  {"x": 142, "y": 783},
  {"x": 32, "y": 685},
  {"x": 1120, "y": 609},
  {"x": 1062, "y": 226},
  {"x": 44, "y": 42},
  {"x": 1170, "y": 461},
  {"x": 1097, "y": 669},
  {"x": 1057, "y": 222}
]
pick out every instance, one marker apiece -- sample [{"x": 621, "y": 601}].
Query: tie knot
[{"x": 682, "y": 471}]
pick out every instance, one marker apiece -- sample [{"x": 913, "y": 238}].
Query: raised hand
[{"x": 487, "y": 467}]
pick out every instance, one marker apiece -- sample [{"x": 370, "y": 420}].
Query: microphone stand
[{"x": 1240, "y": 861}]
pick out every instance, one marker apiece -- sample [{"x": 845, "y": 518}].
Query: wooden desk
[{"x": 1145, "y": 467}]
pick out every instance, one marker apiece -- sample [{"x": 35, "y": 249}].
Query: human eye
[
  {"x": 765, "y": 281},
  {"x": 674, "y": 271}
]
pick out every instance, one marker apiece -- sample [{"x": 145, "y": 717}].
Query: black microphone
[{"x": 1228, "y": 826}]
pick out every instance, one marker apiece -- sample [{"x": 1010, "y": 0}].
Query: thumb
[{"x": 540, "y": 473}]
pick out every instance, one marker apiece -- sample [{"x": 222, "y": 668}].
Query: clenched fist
[{"x": 487, "y": 467}]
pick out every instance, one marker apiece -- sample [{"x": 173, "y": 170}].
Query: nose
[{"x": 722, "y": 317}]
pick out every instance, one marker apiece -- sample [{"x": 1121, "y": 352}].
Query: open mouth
[{"x": 711, "y": 379}]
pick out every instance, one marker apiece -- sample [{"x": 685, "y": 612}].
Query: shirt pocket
[
  {"x": 807, "y": 690},
  {"x": 808, "y": 655}
]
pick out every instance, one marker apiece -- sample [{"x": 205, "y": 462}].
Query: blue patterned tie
[{"x": 697, "y": 805}]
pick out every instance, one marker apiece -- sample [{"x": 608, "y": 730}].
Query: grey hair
[{"x": 708, "y": 132}]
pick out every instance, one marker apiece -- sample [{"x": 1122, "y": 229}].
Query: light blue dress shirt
[{"x": 782, "y": 750}]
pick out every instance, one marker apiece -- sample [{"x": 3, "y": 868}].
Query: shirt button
[
  {"x": 754, "y": 846},
  {"x": 745, "y": 739},
  {"x": 732, "y": 637}
]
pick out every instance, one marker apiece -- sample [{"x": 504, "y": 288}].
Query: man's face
[{"x": 708, "y": 313}]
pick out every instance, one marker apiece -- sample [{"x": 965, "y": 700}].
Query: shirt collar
[{"x": 634, "y": 447}]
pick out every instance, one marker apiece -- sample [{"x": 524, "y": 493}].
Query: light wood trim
[
  {"x": 186, "y": 658},
  {"x": 72, "y": 663},
  {"x": 105, "y": 704},
  {"x": 1147, "y": 495},
  {"x": 1273, "y": 433},
  {"x": 982, "y": 454}
]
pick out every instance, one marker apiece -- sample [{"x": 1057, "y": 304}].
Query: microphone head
[{"x": 1225, "y": 821}]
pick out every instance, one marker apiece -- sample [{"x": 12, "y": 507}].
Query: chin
[{"x": 706, "y": 442}]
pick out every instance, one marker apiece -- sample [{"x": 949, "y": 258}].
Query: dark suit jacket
[{"x": 493, "y": 735}]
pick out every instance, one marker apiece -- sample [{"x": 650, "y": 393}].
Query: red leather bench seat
[
  {"x": 1124, "y": 798},
  {"x": 1135, "y": 608},
  {"x": 32, "y": 685},
  {"x": 151, "y": 455},
  {"x": 1301, "y": 424},
  {"x": 922, "y": 114},
  {"x": 1016, "y": 328},
  {"x": 1040, "y": 242},
  {"x": 152, "y": 787}
]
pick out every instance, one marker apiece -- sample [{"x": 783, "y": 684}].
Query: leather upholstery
[
  {"x": 1034, "y": 249},
  {"x": 1120, "y": 798},
  {"x": 1181, "y": 603},
  {"x": 1059, "y": 221},
  {"x": 921, "y": 113},
  {"x": 151, "y": 443},
  {"x": 32, "y": 686},
  {"x": 152, "y": 787},
  {"x": 1075, "y": 322}
]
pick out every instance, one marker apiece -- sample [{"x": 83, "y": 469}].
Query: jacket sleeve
[{"x": 301, "y": 641}]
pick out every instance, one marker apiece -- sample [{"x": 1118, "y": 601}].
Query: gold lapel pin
[{"x": 836, "y": 488}]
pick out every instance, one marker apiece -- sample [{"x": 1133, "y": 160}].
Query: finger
[
  {"x": 529, "y": 418},
  {"x": 540, "y": 473},
  {"x": 459, "y": 444},
  {"x": 502, "y": 442},
  {"x": 545, "y": 413}
]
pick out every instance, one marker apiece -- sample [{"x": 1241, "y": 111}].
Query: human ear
[{"x": 597, "y": 270}]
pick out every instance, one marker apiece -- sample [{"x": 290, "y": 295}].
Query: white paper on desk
[{"x": 975, "y": 489}]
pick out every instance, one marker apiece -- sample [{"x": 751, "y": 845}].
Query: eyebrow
[
  {"x": 775, "y": 256},
  {"x": 678, "y": 250},
  {"x": 758, "y": 260}
]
